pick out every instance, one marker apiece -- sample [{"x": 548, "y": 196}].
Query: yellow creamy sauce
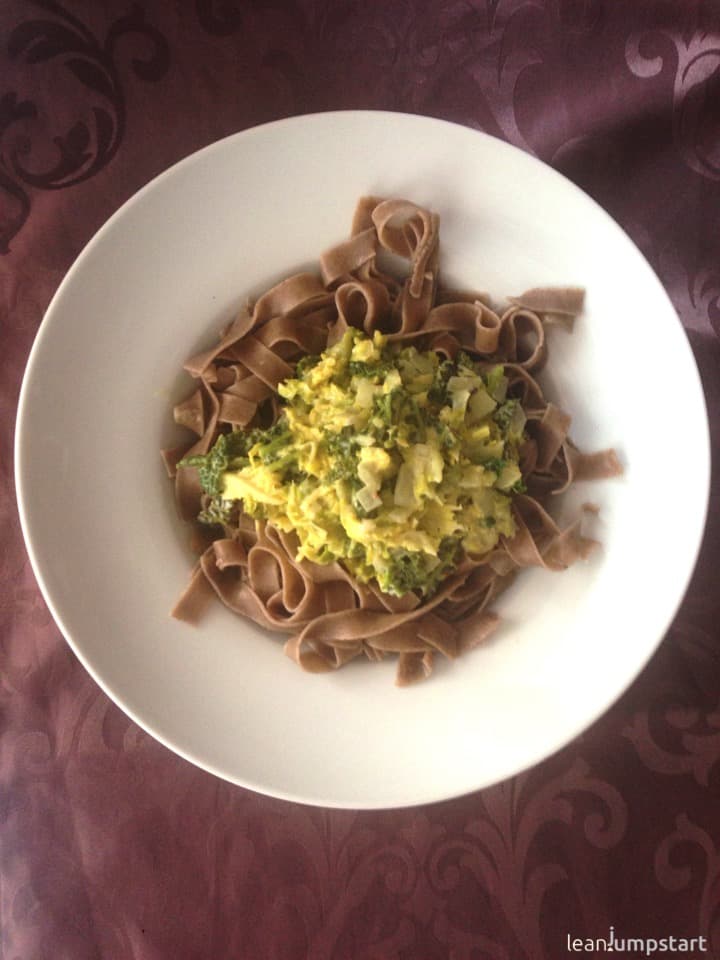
[{"x": 391, "y": 461}]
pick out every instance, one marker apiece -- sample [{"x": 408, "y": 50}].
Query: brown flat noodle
[{"x": 329, "y": 617}]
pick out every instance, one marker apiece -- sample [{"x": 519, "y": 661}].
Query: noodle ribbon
[{"x": 250, "y": 566}]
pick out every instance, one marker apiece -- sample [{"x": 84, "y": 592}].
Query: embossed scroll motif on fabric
[
  {"x": 251, "y": 566},
  {"x": 96, "y": 99}
]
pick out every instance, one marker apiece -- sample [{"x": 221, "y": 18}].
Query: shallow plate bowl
[{"x": 156, "y": 284}]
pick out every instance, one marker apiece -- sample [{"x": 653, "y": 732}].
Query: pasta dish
[{"x": 372, "y": 457}]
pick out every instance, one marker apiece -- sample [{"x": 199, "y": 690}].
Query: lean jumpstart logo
[{"x": 643, "y": 946}]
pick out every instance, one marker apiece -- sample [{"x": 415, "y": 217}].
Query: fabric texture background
[{"x": 114, "y": 848}]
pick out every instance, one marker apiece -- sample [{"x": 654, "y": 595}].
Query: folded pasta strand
[{"x": 252, "y": 567}]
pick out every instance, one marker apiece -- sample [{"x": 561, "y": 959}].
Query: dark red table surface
[{"x": 113, "y": 847}]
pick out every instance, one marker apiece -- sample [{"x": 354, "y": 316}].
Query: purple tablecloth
[{"x": 114, "y": 848}]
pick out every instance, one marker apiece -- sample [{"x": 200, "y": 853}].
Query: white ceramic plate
[{"x": 155, "y": 285}]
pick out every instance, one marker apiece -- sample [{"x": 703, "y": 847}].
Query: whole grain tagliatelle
[{"x": 329, "y": 617}]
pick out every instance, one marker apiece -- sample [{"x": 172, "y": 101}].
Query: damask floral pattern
[
  {"x": 57, "y": 36},
  {"x": 110, "y": 846},
  {"x": 696, "y": 67},
  {"x": 677, "y": 877}
]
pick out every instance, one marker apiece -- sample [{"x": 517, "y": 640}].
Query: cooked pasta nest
[{"x": 383, "y": 278}]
